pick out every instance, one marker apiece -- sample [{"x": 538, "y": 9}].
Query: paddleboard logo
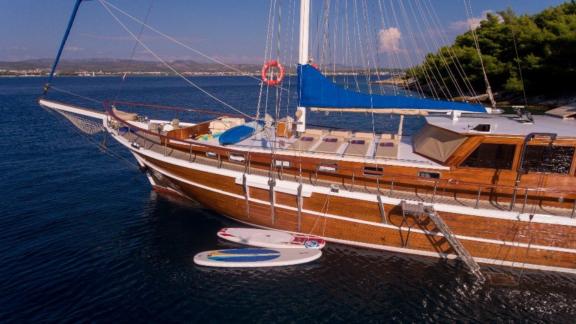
[
  {"x": 311, "y": 244},
  {"x": 243, "y": 255}
]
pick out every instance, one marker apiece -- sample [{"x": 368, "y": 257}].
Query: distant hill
[
  {"x": 122, "y": 65},
  {"x": 119, "y": 66}
]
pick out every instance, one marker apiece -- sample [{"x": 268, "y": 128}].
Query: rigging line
[
  {"x": 169, "y": 66},
  {"x": 435, "y": 45},
  {"x": 451, "y": 54},
  {"x": 412, "y": 56},
  {"x": 174, "y": 40},
  {"x": 177, "y": 41},
  {"x": 431, "y": 79},
  {"x": 291, "y": 53},
  {"x": 278, "y": 44},
  {"x": 348, "y": 53},
  {"x": 428, "y": 73},
  {"x": 370, "y": 49},
  {"x": 325, "y": 34},
  {"x": 365, "y": 50},
  {"x": 335, "y": 41},
  {"x": 408, "y": 57},
  {"x": 267, "y": 43},
  {"x": 435, "y": 23},
  {"x": 389, "y": 57},
  {"x": 519, "y": 66},
  {"x": 476, "y": 42},
  {"x": 134, "y": 48},
  {"x": 373, "y": 52},
  {"x": 76, "y": 95},
  {"x": 363, "y": 57},
  {"x": 268, "y": 56}
]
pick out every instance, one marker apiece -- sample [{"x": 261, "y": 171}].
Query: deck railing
[{"x": 386, "y": 182}]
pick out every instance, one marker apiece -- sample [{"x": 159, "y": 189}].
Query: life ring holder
[{"x": 267, "y": 66}]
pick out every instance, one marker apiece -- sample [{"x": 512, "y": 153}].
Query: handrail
[{"x": 394, "y": 179}]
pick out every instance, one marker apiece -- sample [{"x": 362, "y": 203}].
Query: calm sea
[{"x": 83, "y": 237}]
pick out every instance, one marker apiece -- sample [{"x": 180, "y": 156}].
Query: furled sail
[{"x": 315, "y": 90}]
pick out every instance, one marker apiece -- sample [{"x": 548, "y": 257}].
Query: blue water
[{"x": 83, "y": 238}]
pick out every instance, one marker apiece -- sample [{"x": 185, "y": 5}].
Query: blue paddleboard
[
  {"x": 236, "y": 134},
  {"x": 256, "y": 257}
]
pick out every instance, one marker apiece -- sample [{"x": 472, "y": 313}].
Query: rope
[
  {"x": 291, "y": 51},
  {"x": 477, "y": 44},
  {"x": 323, "y": 210},
  {"x": 390, "y": 57},
  {"x": 177, "y": 41},
  {"x": 452, "y": 55},
  {"x": 428, "y": 26},
  {"x": 76, "y": 95},
  {"x": 134, "y": 48},
  {"x": 519, "y": 67},
  {"x": 102, "y": 2},
  {"x": 268, "y": 41}
]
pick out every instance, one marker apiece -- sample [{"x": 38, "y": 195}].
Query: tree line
[{"x": 531, "y": 53}]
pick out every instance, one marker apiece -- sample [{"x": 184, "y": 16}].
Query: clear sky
[{"x": 232, "y": 30}]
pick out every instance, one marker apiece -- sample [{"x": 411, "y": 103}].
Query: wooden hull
[
  {"x": 490, "y": 240},
  {"x": 360, "y": 211}
]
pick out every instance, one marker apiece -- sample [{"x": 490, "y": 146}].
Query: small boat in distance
[{"x": 487, "y": 188}]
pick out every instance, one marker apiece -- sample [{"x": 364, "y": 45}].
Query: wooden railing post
[
  {"x": 525, "y": 200},
  {"x": 478, "y": 197},
  {"x": 299, "y": 203},
  {"x": 272, "y": 184}
]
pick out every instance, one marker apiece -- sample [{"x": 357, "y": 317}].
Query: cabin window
[
  {"x": 484, "y": 128},
  {"x": 282, "y": 164},
  {"x": 373, "y": 171},
  {"x": 238, "y": 158},
  {"x": 327, "y": 167},
  {"x": 543, "y": 158},
  {"x": 491, "y": 156},
  {"x": 429, "y": 175}
]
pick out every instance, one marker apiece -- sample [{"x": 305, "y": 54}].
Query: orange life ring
[{"x": 267, "y": 66}]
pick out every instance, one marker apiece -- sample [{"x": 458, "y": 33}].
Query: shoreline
[{"x": 536, "y": 103}]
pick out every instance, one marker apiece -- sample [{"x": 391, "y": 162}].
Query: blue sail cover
[{"x": 315, "y": 90}]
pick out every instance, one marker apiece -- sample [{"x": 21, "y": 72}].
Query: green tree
[{"x": 543, "y": 46}]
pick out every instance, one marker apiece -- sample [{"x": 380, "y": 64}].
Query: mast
[
  {"x": 304, "y": 31},
  {"x": 61, "y": 48},
  {"x": 303, "y": 58}
]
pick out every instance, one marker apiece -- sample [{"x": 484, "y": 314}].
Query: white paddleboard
[
  {"x": 255, "y": 257},
  {"x": 270, "y": 239}
]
